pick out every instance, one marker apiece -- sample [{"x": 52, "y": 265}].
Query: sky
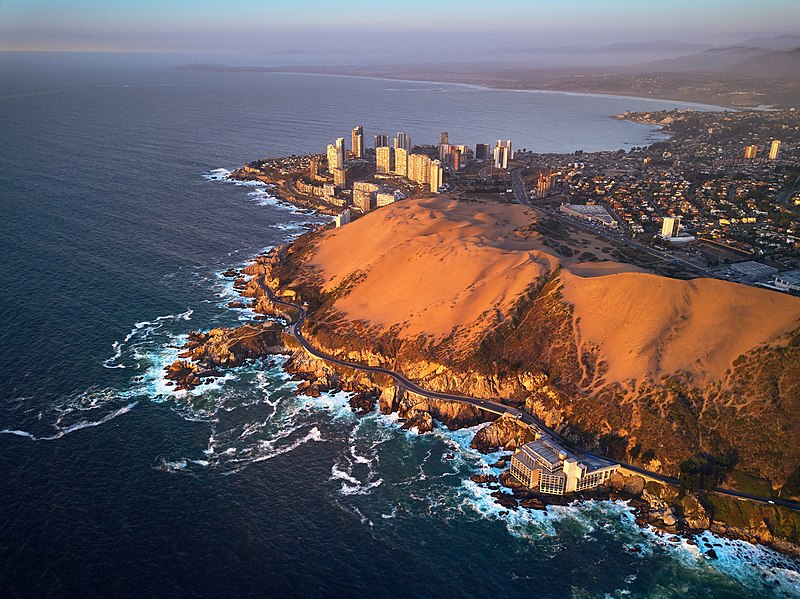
[{"x": 400, "y": 27}]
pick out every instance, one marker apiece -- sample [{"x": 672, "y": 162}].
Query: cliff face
[{"x": 642, "y": 368}]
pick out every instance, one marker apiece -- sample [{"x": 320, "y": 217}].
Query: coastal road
[{"x": 495, "y": 407}]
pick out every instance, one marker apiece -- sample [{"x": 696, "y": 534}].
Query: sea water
[{"x": 117, "y": 222}]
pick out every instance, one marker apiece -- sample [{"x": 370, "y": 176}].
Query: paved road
[{"x": 495, "y": 407}]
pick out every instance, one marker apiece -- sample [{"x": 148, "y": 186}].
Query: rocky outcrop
[
  {"x": 504, "y": 433},
  {"x": 204, "y": 353}
]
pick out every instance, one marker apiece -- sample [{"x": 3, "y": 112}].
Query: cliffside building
[{"x": 545, "y": 466}]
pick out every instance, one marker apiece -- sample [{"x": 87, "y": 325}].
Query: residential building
[
  {"x": 383, "y": 160},
  {"x": 313, "y": 168},
  {"x": 381, "y": 141},
  {"x": 670, "y": 227},
  {"x": 387, "y": 197},
  {"x": 357, "y": 141},
  {"x": 342, "y": 218},
  {"x": 401, "y": 162},
  {"x": 774, "y": 149},
  {"x": 482, "y": 151},
  {"x": 363, "y": 195},
  {"x": 403, "y": 140},
  {"x": 444, "y": 152},
  {"x": 435, "y": 178},
  {"x": 545, "y": 466},
  {"x": 336, "y": 155},
  {"x": 444, "y": 138},
  {"x": 419, "y": 168},
  {"x": 750, "y": 152},
  {"x": 340, "y": 177},
  {"x": 502, "y": 153}
]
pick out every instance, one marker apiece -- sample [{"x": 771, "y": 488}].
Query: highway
[{"x": 488, "y": 405}]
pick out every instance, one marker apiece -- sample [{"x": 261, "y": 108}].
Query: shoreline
[
  {"x": 483, "y": 87},
  {"x": 315, "y": 377}
]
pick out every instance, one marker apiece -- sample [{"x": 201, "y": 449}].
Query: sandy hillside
[
  {"x": 434, "y": 264},
  {"x": 650, "y": 324}
]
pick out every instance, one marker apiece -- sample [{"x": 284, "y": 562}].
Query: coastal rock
[
  {"x": 421, "y": 422},
  {"x": 363, "y": 403},
  {"x": 504, "y": 433},
  {"x": 483, "y": 478}
]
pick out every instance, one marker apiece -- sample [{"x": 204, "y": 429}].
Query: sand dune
[
  {"x": 434, "y": 264},
  {"x": 646, "y": 324}
]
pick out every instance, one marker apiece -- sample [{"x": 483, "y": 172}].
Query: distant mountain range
[{"x": 775, "y": 56}]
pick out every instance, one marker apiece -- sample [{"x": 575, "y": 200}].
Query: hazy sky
[{"x": 353, "y": 26}]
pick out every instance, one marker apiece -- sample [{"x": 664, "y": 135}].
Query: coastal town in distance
[{"x": 719, "y": 198}]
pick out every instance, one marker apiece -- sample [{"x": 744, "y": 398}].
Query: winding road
[{"x": 488, "y": 405}]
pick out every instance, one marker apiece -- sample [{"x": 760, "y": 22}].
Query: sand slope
[
  {"x": 434, "y": 264},
  {"x": 646, "y": 324}
]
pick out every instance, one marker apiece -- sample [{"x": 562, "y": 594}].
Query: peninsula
[{"x": 599, "y": 354}]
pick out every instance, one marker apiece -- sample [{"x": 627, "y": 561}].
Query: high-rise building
[
  {"x": 363, "y": 194},
  {"x": 501, "y": 156},
  {"x": 774, "y": 149},
  {"x": 401, "y": 162},
  {"x": 435, "y": 178},
  {"x": 340, "y": 177},
  {"x": 383, "y": 160},
  {"x": 357, "y": 141},
  {"x": 457, "y": 157},
  {"x": 419, "y": 168},
  {"x": 508, "y": 154},
  {"x": 403, "y": 140},
  {"x": 750, "y": 152},
  {"x": 444, "y": 152},
  {"x": 482, "y": 151},
  {"x": 335, "y": 158},
  {"x": 340, "y": 148},
  {"x": 444, "y": 138},
  {"x": 381, "y": 141},
  {"x": 670, "y": 227},
  {"x": 313, "y": 168}
]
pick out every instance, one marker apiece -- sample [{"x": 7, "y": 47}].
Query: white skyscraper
[{"x": 670, "y": 227}]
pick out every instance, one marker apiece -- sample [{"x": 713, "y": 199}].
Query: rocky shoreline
[{"x": 205, "y": 355}]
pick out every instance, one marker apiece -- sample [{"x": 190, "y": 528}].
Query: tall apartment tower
[
  {"x": 335, "y": 157},
  {"x": 444, "y": 152},
  {"x": 435, "y": 178},
  {"x": 403, "y": 140},
  {"x": 313, "y": 168},
  {"x": 383, "y": 160},
  {"x": 501, "y": 156},
  {"x": 774, "y": 149},
  {"x": 482, "y": 151},
  {"x": 401, "y": 162},
  {"x": 357, "y": 141},
  {"x": 505, "y": 143},
  {"x": 750, "y": 152},
  {"x": 670, "y": 227},
  {"x": 444, "y": 138},
  {"x": 419, "y": 168},
  {"x": 381, "y": 141}
]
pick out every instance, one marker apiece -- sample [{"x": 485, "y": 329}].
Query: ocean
[{"x": 116, "y": 228}]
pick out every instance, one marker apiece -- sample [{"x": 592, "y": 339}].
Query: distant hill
[
  {"x": 782, "y": 64},
  {"x": 712, "y": 60}
]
